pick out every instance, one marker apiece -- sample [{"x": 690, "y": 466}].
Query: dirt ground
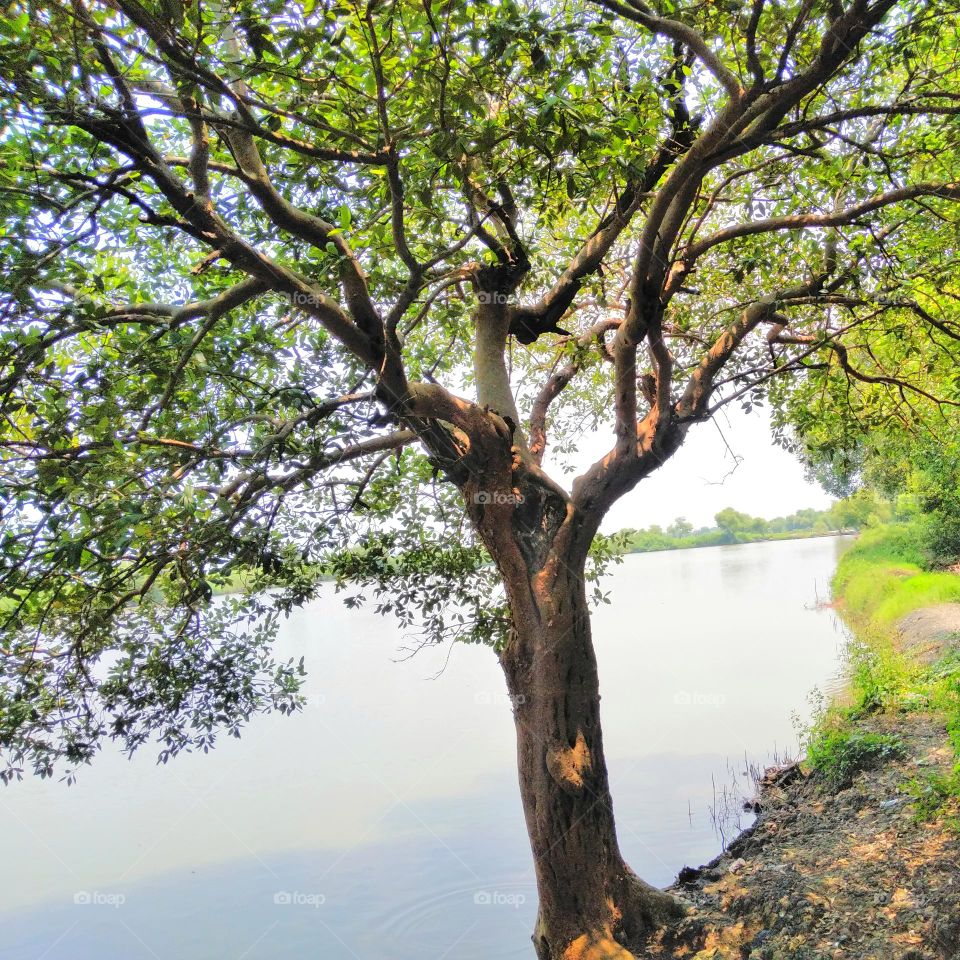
[{"x": 924, "y": 634}]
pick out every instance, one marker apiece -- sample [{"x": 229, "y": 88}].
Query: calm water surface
[{"x": 385, "y": 821}]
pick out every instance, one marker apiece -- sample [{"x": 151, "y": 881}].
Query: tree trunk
[{"x": 591, "y": 904}]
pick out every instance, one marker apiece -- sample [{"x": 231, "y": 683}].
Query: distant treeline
[{"x": 862, "y": 509}]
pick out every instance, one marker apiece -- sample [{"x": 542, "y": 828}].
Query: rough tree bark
[{"x": 592, "y": 905}]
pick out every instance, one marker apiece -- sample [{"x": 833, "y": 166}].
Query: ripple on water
[{"x": 492, "y": 918}]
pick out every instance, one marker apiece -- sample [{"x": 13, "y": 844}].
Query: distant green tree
[
  {"x": 863, "y": 508},
  {"x": 739, "y": 524},
  {"x": 681, "y": 527},
  {"x": 804, "y": 519}
]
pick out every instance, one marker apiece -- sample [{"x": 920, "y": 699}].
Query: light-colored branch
[
  {"x": 683, "y": 33},
  {"x": 555, "y": 385},
  {"x": 308, "y": 227},
  {"x": 805, "y": 221},
  {"x": 494, "y": 392}
]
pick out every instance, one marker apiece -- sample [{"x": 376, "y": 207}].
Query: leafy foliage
[
  {"x": 211, "y": 676},
  {"x": 254, "y": 253},
  {"x": 838, "y": 755}
]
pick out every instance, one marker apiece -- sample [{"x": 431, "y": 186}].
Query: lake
[{"x": 385, "y": 820}]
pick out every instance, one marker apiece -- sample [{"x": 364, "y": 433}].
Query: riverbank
[
  {"x": 849, "y": 515},
  {"x": 723, "y": 539},
  {"x": 855, "y": 852}
]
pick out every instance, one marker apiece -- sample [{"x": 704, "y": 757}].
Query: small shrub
[
  {"x": 839, "y": 753},
  {"x": 951, "y": 705},
  {"x": 933, "y": 792},
  {"x": 878, "y": 675},
  {"x": 941, "y": 682},
  {"x": 943, "y": 540}
]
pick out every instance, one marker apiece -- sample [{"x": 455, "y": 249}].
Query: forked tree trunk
[{"x": 591, "y": 903}]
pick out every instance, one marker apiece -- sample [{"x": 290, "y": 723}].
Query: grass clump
[
  {"x": 839, "y": 752},
  {"x": 880, "y": 677},
  {"x": 937, "y": 793}
]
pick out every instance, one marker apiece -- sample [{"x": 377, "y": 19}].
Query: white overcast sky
[{"x": 697, "y": 482}]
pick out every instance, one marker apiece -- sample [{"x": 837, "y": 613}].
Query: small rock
[
  {"x": 892, "y": 803},
  {"x": 737, "y": 865}
]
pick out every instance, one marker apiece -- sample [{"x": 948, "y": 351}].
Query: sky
[{"x": 702, "y": 477}]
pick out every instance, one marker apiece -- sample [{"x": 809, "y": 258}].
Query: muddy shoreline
[{"x": 839, "y": 873}]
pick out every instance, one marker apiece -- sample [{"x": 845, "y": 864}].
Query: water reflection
[{"x": 385, "y": 820}]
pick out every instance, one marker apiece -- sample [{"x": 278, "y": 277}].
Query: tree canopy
[{"x": 258, "y": 255}]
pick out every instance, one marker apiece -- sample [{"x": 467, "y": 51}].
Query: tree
[
  {"x": 257, "y": 254},
  {"x": 898, "y": 473},
  {"x": 732, "y": 521},
  {"x": 894, "y": 449},
  {"x": 681, "y": 527},
  {"x": 860, "y": 509}
]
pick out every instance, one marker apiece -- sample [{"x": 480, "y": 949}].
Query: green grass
[
  {"x": 894, "y": 543},
  {"x": 879, "y": 580},
  {"x": 917, "y": 591},
  {"x": 934, "y": 794},
  {"x": 881, "y": 677}
]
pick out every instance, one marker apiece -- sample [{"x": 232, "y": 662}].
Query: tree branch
[
  {"x": 555, "y": 385},
  {"x": 804, "y": 221},
  {"x": 640, "y": 13}
]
